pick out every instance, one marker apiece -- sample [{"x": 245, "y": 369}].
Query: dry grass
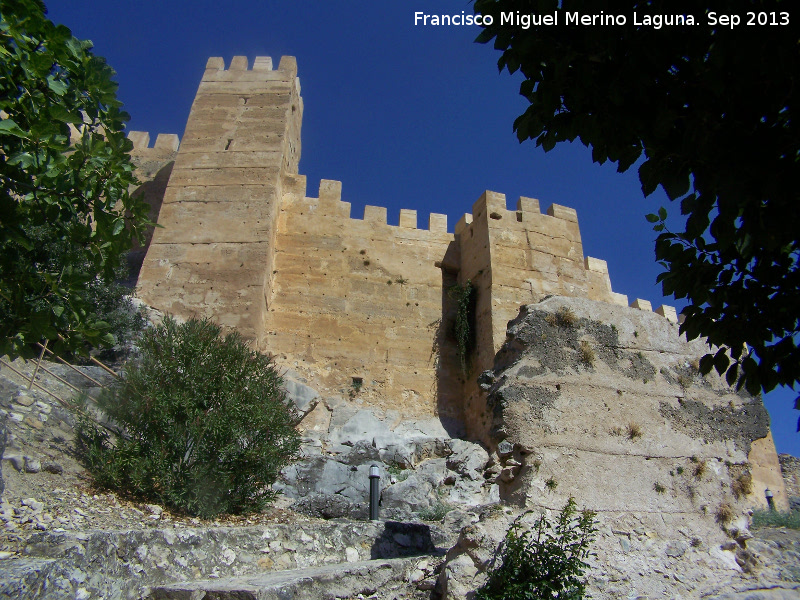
[
  {"x": 725, "y": 513},
  {"x": 699, "y": 469},
  {"x": 742, "y": 485},
  {"x": 563, "y": 317},
  {"x": 587, "y": 354},
  {"x": 634, "y": 430}
]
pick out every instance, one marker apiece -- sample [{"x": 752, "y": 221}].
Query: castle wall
[
  {"x": 216, "y": 247},
  {"x": 357, "y": 298},
  {"x": 153, "y": 168}
]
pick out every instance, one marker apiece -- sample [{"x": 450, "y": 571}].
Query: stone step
[
  {"x": 344, "y": 580},
  {"x": 23, "y": 578}
]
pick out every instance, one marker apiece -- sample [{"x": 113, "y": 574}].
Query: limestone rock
[
  {"x": 468, "y": 459},
  {"x": 3, "y": 440}
]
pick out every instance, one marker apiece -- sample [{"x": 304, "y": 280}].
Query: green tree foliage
[
  {"x": 708, "y": 112},
  {"x": 547, "y": 561},
  {"x": 202, "y": 423},
  {"x": 58, "y": 194}
]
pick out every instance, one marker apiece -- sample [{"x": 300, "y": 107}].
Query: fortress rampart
[{"x": 358, "y": 307}]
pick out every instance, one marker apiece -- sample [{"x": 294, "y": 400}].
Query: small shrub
[
  {"x": 586, "y": 353},
  {"x": 696, "y": 542},
  {"x": 355, "y": 386},
  {"x": 546, "y": 561},
  {"x": 202, "y": 424},
  {"x": 699, "y": 469},
  {"x": 398, "y": 472},
  {"x": 742, "y": 485},
  {"x": 566, "y": 318},
  {"x": 436, "y": 512},
  {"x": 634, "y": 430},
  {"x": 774, "y": 518},
  {"x": 551, "y": 484},
  {"x": 725, "y": 513},
  {"x": 660, "y": 489},
  {"x": 401, "y": 281},
  {"x": 679, "y": 470},
  {"x": 536, "y": 464}
]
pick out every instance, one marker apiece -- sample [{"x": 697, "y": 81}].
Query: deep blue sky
[{"x": 405, "y": 116}]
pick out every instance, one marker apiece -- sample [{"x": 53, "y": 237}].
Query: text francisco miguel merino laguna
[{"x": 558, "y": 17}]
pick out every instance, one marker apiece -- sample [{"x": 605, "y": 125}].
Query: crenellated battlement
[
  {"x": 288, "y": 64},
  {"x": 165, "y": 142},
  {"x": 329, "y": 197}
]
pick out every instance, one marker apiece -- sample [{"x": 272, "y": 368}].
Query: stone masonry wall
[{"x": 359, "y": 300}]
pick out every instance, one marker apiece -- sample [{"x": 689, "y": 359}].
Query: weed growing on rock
[
  {"x": 551, "y": 484},
  {"x": 436, "y": 512},
  {"x": 660, "y": 489},
  {"x": 202, "y": 424},
  {"x": 546, "y": 561},
  {"x": 679, "y": 470},
  {"x": 696, "y": 542},
  {"x": 742, "y": 485},
  {"x": 634, "y": 430},
  {"x": 699, "y": 469},
  {"x": 587, "y": 354},
  {"x": 725, "y": 513},
  {"x": 563, "y": 317},
  {"x": 355, "y": 387}
]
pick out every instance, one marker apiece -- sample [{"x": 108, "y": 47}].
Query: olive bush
[{"x": 199, "y": 423}]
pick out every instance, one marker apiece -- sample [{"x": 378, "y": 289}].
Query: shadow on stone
[{"x": 403, "y": 539}]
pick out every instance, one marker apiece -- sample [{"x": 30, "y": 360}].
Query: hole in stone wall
[
  {"x": 519, "y": 217},
  {"x": 495, "y": 216}
]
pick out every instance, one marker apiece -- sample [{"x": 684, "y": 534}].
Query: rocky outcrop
[
  {"x": 605, "y": 404},
  {"x": 790, "y": 468},
  {"x": 424, "y": 472}
]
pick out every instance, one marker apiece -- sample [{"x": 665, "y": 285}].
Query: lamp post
[
  {"x": 770, "y": 501},
  {"x": 374, "y": 491}
]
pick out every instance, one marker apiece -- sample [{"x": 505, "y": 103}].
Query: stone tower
[{"x": 213, "y": 255}]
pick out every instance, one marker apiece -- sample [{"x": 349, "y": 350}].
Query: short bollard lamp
[
  {"x": 770, "y": 502},
  {"x": 374, "y": 491}
]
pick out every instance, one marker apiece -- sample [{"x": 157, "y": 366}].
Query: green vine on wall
[{"x": 464, "y": 296}]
